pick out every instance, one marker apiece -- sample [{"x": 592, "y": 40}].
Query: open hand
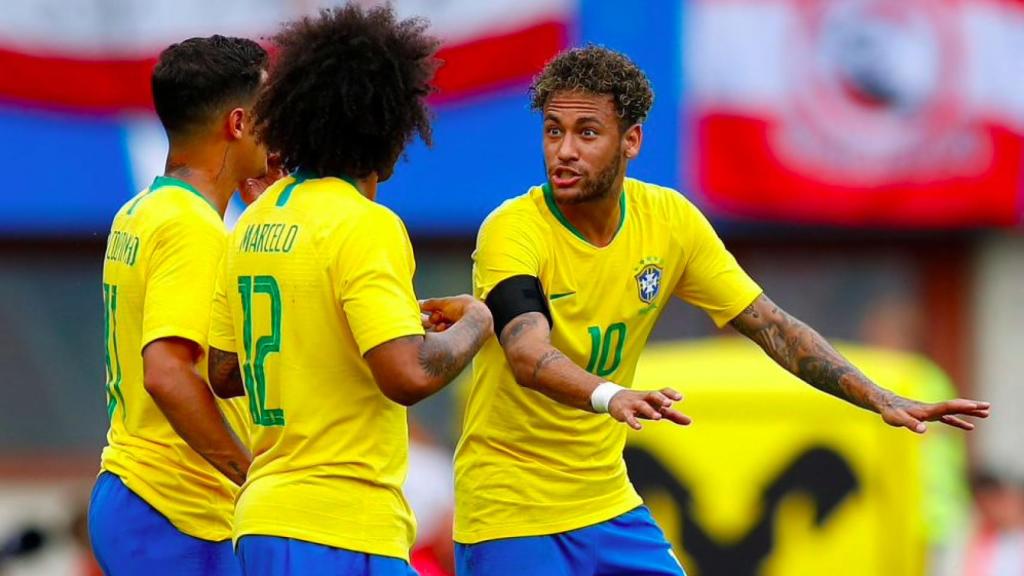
[
  {"x": 911, "y": 414},
  {"x": 631, "y": 406}
]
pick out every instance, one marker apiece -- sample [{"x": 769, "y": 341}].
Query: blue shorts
[
  {"x": 273, "y": 556},
  {"x": 129, "y": 537},
  {"x": 628, "y": 544}
]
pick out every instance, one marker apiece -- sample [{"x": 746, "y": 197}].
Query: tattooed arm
[
  {"x": 224, "y": 374},
  {"x": 171, "y": 380},
  {"x": 538, "y": 365},
  {"x": 799, "y": 349},
  {"x": 412, "y": 368}
]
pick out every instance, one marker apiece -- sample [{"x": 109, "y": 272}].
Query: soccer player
[
  {"x": 576, "y": 273},
  {"x": 315, "y": 319},
  {"x": 160, "y": 506}
]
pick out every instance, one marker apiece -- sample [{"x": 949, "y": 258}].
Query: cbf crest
[{"x": 648, "y": 282}]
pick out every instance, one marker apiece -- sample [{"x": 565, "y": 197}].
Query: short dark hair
[
  {"x": 599, "y": 71},
  {"x": 195, "y": 79},
  {"x": 348, "y": 91}
]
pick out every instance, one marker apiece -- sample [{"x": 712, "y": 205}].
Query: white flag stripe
[
  {"x": 741, "y": 56},
  {"x": 735, "y": 51},
  {"x": 136, "y": 28}
]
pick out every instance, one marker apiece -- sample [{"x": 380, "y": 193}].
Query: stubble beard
[{"x": 600, "y": 186}]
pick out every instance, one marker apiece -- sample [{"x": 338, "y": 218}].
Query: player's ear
[
  {"x": 237, "y": 121},
  {"x": 631, "y": 141}
]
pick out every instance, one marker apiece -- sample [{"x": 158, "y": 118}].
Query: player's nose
[{"x": 567, "y": 149}]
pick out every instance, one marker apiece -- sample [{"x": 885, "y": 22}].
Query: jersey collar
[
  {"x": 301, "y": 175},
  {"x": 165, "y": 181},
  {"x": 549, "y": 199}
]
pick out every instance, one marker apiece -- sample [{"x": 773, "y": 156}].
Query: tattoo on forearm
[
  {"x": 224, "y": 369},
  {"x": 516, "y": 327},
  {"x": 437, "y": 360},
  {"x": 549, "y": 357},
  {"x": 447, "y": 354},
  {"x": 823, "y": 373},
  {"x": 805, "y": 353}
]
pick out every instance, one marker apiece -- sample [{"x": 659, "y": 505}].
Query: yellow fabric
[
  {"x": 527, "y": 465},
  {"x": 330, "y": 450},
  {"x": 768, "y": 454},
  {"x": 158, "y": 275}
]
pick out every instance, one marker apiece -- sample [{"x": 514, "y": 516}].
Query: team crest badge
[{"x": 648, "y": 283}]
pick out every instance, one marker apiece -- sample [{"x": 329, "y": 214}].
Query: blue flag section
[{"x": 764, "y": 114}]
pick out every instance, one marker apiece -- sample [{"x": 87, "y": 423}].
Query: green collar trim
[
  {"x": 165, "y": 181},
  {"x": 549, "y": 199},
  {"x": 301, "y": 175}
]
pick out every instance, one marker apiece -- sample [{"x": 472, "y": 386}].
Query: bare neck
[
  {"x": 598, "y": 220},
  {"x": 206, "y": 170}
]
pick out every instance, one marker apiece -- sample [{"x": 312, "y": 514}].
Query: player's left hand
[
  {"x": 253, "y": 188},
  {"x": 631, "y": 406},
  {"x": 911, "y": 414}
]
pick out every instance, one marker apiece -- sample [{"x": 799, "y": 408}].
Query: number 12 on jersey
[{"x": 254, "y": 364}]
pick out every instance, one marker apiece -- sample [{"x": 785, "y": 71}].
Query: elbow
[
  {"x": 405, "y": 395},
  {"x": 159, "y": 383},
  {"x": 407, "y": 399},
  {"x": 521, "y": 363},
  {"x": 407, "y": 389}
]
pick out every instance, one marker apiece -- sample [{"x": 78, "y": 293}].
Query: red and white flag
[
  {"x": 859, "y": 112},
  {"x": 95, "y": 55}
]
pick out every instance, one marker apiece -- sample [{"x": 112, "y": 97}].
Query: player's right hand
[
  {"x": 631, "y": 406},
  {"x": 441, "y": 313},
  {"x": 253, "y": 188}
]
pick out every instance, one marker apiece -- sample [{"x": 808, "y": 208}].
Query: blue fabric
[
  {"x": 273, "y": 556},
  {"x": 629, "y": 544},
  {"x": 130, "y": 538}
]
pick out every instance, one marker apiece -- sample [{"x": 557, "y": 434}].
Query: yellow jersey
[
  {"x": 159, "y": 271},
  {"x": 527, "y": 465},
  {"x": 314, "y": 276}
]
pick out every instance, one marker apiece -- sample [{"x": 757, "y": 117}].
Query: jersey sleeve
[
  {"x": 374, "y": 267},
  {"x": 222, "y": 326},
  {"x": 508, "y": 244},
  {"x": 180, "y": 279},
  {"x": 712, "y": 280}
]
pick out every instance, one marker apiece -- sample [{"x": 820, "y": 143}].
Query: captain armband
[{"x": 514, "y": 296}]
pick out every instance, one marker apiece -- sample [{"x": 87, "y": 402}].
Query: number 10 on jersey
[{"x": 254, "y": 364}]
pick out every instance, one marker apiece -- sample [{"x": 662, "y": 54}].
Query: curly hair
[
  {"x": 195, "y": 79},
  {"x": 599, "y": 71},
  {"x": 348, "y": 91}
]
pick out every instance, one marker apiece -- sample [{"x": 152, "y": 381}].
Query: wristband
[{"x": 602, "y": 396}]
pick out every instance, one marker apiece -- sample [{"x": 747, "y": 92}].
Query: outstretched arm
[
  {"x": 538, "y": 365},
  {"x": 799, "y": 349}
]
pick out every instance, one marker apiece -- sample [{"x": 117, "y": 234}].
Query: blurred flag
[
  {"x": 859, "y": 112},
  {"x": 75, "y": 95},
  {"x": 98, "y": 56}
]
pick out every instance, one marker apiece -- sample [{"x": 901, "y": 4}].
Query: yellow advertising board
[{"x": 775, "y": 478}]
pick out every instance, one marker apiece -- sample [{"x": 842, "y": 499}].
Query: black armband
[{"x": 514, "y": 296}]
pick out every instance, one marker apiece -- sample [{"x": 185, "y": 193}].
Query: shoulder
[
  {"x": 173, "y": 210},
  {"x": 518, "y": 215},
  {"x": 647, "y": 197},
  {"x": 365, "y": 226}
]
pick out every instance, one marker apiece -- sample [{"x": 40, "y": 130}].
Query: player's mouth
[{"x": 565, "y": 178}]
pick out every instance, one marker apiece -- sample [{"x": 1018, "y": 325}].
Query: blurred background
[{"x": 864, "y": 159}]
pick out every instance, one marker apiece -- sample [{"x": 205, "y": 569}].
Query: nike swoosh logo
[{"x": 562, "y": 295}]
